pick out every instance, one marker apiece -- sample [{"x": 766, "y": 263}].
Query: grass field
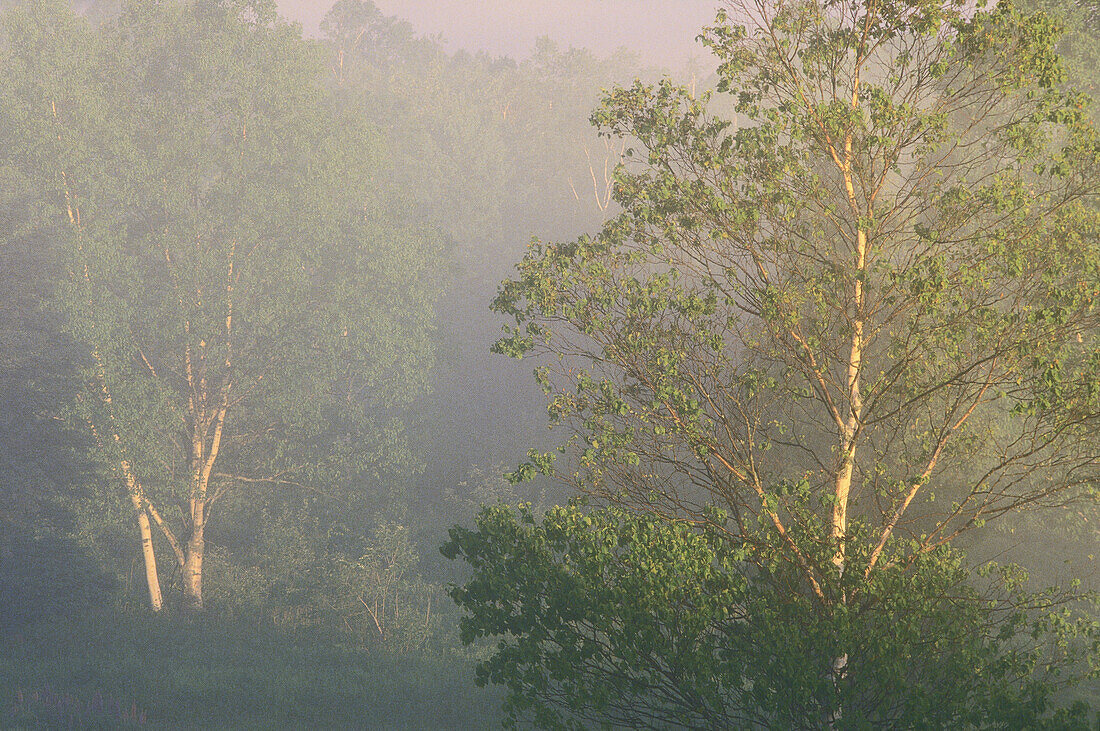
[{"x": 206, "y": 673}]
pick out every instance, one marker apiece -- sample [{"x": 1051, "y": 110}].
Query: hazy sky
[{"x": 661, "y": 31}]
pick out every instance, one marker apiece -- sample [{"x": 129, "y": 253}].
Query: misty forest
[{"x": 350, "y": 379}]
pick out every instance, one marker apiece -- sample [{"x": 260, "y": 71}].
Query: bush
[{"x": 619, "y": 618}]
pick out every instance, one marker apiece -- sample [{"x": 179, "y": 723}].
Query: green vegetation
[
  {"x": 838, "y": 324},
  {"x": 244, "y": 673},
  {"x": 609, "y": 616},
  {"x": 833, "y": 332},
  {"x": 246, "y": 310}
]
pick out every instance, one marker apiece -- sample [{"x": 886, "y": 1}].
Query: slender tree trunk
[
  {"x": 203, "y": 458},
  {"x": 137, "y": 499},
  {"x": 152, "y": 579},
  {"x": 133, "y": 486},
  {"x": 843, "y": 481},
  {"x": 846, "y": 467},
  {"x": 851, "y": 427},
  {"x": 196, "y": 543},
  {"x": 205, "y": 424},
  {"x": 192, "y": 570}
]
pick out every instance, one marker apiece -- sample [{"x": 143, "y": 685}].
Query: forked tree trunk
[{"x": 203, "y": 457}]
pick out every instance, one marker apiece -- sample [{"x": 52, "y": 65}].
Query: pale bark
[
  {"x": 177, "y": 549},
  {"x": 851, "y": 428},
  {"x": 203, "y": 457},
  {"x": 152, "y": 579},
  {"x": 192, "y": 569},
  {"x": 842, "y": 484},
  {"x": 133, "y": 486},
  {"x": 136, "y": 494}
]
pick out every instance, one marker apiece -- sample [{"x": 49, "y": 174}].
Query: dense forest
[{"x": 284, "y": 320}]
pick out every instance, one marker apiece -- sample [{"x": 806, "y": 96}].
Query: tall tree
[
  {"x": 251, "y": 310},
  {"x": 862, "y": 312}
]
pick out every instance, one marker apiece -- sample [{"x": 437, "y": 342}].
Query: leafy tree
[
  {"x": 389, "y": 602},
  {"x": 860, "y": 317},
  {"x": 251, "y": 312},
  {"x": 41, "y": 461}
]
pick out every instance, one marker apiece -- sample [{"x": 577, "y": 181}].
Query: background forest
[{"x": 246, "y": 385}]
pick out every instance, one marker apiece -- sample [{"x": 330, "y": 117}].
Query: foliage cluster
[{"x": 614, "y": 617}]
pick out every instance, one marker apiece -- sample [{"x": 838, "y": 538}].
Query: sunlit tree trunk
[
  {"x": 152, "y": 580},
  {"x": 133, "y": 486},
  {"x": 204, "y": 455},
  {"x": 203, "y": 459},
  {"x": 137, "y": 499},
  {"x": 192, "y": 569},
  {"x": 849, "y": 433},
  {"x": 140, "y": 503}
]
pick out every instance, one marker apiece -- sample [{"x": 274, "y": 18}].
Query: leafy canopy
[{"x": 869, "y": 295}]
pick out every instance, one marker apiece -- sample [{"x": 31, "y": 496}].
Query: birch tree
[
  {"x": 251, "y": 313},
  {"x": 861, "y": 313}
]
